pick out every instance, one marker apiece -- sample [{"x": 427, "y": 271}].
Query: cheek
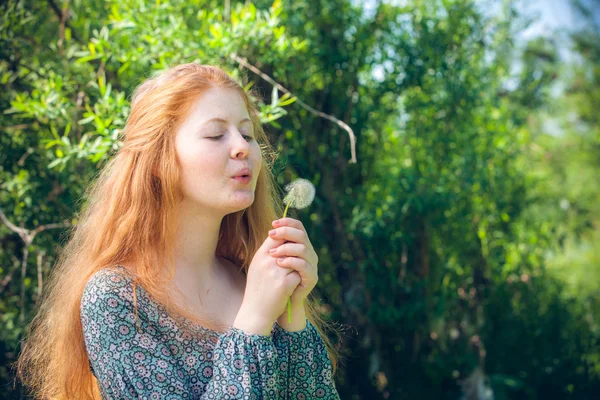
[
  {"x": 258, "y": 160},
  {"x": 257, "y": 168},
  {"x": 197, "y": 164},
  {"x": 191, "y": 151}
]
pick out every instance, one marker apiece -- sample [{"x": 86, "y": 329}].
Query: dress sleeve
[
  {"x": 126, "y": 363},
  {"x": 305, "y": 367},
  {"x": 132, "y": 364},
  {"x": 245, "y": 366}
]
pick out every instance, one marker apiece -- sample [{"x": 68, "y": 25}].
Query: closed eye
[{"x": 215, "y": 138}]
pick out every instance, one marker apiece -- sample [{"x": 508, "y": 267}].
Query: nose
[{"x": 240, "y": 147}]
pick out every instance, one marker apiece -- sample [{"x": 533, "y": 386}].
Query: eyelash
[{"x": 215, "y": 138}]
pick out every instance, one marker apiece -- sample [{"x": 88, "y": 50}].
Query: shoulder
[
  {"x": 110, "y": 289},
  {"x": 113, "y": 280}
]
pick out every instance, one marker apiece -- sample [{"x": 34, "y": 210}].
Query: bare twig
[
  {"x": 21, "y": 161},
  {"x": 227, "y": 11},
  {"x": 22, "y": 232},
  {"x": 27, "y": 236},
  {"x": 8, "y": 276},
  {"x": 23, "y": 275},
  {"x": 39, "y": 273},
  {"x": 266, "y": 77},
  {"x": 62, "y": 16},
  {"x": 15, "y": 127}
]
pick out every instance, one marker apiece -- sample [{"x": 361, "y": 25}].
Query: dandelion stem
[
  {"x": 286, "y": 208},
  {"x": 289, "y": 302}
]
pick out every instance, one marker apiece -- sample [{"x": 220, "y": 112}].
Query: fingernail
[
  {"x": 272, "y": 232},
  {"x": 276, "y": 222},
  {"x": 272, "y": 250}
]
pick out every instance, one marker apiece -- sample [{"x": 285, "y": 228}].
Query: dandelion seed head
[{"x": 301, "y": 193}]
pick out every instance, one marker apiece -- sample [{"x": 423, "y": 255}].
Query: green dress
[{"x": 162, "y": 361}]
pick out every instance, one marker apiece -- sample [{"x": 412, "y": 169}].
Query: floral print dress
[{"x": 162, "y": 361}]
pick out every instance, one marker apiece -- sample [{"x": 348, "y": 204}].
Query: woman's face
[{"x": 213, "y": 144}]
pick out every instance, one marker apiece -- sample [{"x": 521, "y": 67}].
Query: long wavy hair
[{"x": 129, "y": 219}]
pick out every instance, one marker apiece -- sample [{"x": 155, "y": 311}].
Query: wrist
[
  {"x": 298, "y": 319},
  {"x": 252, "y": 325}
]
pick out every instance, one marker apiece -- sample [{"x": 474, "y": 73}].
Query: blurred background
[{"x": 458, "y": 237}]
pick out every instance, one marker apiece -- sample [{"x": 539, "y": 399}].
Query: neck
[{"x": 196, "y": 238}]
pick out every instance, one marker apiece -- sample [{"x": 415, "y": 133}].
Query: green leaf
[
  {"x": 67, "y": 129},
  {"x": 86, "y": 120},
  {"x": 54, "y": 132},
  {"x": 216, "y": 31},
  {"x": 87, "y": 58},
  {"x": 123, "y": 67},
  {"x": 101, "y": 85},
  {"x": 54, "y": 163},
  {"x": 52, "y": 143},
  {"x": 287, "y": 102},
  {"x": 248, "y": 86}
]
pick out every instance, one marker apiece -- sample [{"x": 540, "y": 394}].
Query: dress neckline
[{"x": 195, "y": 328}]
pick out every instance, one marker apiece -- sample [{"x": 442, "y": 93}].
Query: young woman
[{"x": 171, "y": 286}]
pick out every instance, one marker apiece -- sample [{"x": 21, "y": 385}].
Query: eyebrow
[{"x": 224, "y": 120}]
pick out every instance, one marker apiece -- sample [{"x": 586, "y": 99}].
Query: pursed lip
[{"x": 242, "y": 172}]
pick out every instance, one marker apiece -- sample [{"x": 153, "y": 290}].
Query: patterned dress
[{"x": 163, "y": 361}]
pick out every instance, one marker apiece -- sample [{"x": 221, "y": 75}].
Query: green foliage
[{"x": 464, "y": 235}]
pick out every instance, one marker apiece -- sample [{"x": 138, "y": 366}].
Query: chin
[
  {"x": 235, "y": 210},
  {"x": 245, "y": 206},
  {"x": 241, "y": 205}
]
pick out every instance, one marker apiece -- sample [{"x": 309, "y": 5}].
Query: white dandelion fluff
[{"x": 301, "y": 193}]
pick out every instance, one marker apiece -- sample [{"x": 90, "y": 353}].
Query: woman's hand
[
  {"x": 298, "y": 254},
  {"x": 268, "y": 287}
]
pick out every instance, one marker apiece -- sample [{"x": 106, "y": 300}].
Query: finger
[
  {"x": 296, "y": 250},
  {"x": 292, "y": 250},
  {"x": 294, "y": 223},
  {"x": 290, "y": 234},
  {"x": 272, "y": 243},
  {"x": 298, "y": 264}
]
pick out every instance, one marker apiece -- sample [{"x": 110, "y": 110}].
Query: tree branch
[
  {"x": 39, "y": 274},
  {"x": 27, "y": 236},
  {"x": 266, "y": 77},
  {"x": 62, "y": 17}
]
